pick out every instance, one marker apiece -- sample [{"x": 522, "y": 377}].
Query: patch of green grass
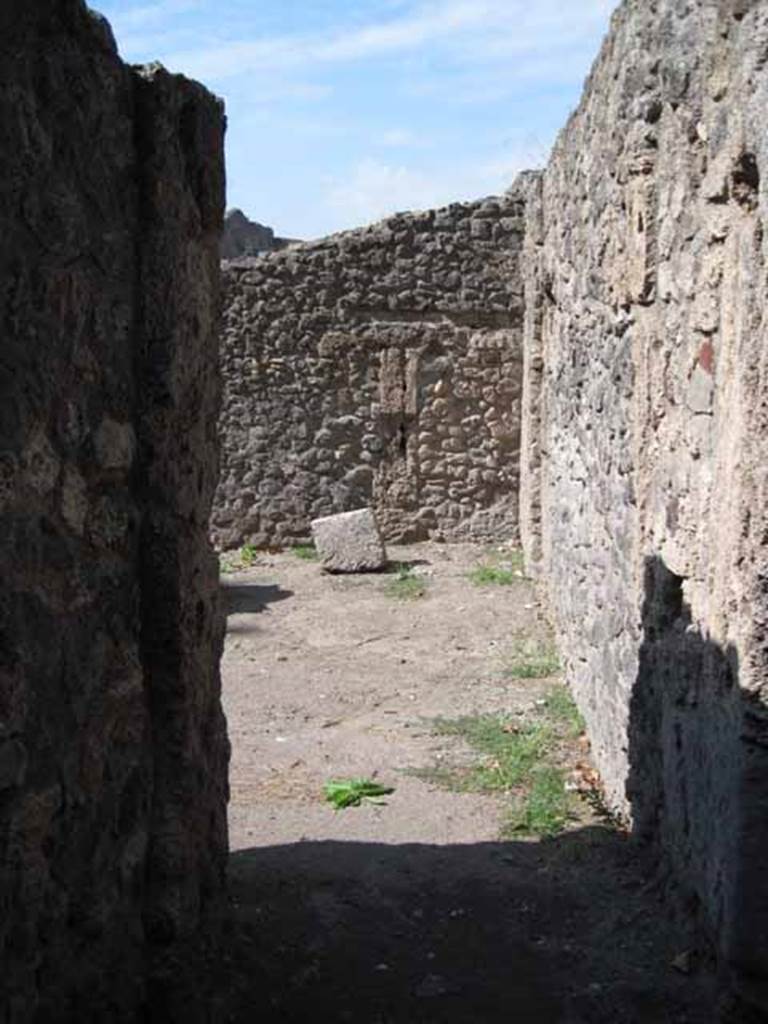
[
  {"x": 509, "y": 558},
  {"x": 510, "y": 751},
  {"x": 532, "y": 660},
  {"x": 344, "y": 793},
  {"x": 306, "y": 552},
  {"x": 249, "y": 555},
  {"x": 561, "y": 706},
  {"x": 492, "y": 576},
  {"x": 519, "y": 757},
  {"x": 405, "y": 585},
  {"x": 244, "y": 558},
  {"x": 502, "y": 567},
  {"x": 545, "y": 809}
]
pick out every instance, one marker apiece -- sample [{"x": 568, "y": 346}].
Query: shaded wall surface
[
  {"x": 381, "y": 366},
  {"x": 644, "y": 471},
  {"x": 112, "y": 741}
]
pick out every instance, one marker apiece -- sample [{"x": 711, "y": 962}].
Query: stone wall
[
  {"x": 645, "y": 477},
  {"x": 113, "y": 749},
  {"x": 381, "y": 366}
]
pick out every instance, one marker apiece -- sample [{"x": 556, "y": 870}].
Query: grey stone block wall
[
  {"x": 113, "y": 749},
  {"x": 377, "y": 367},
  {"x": 645, "y": 477}
]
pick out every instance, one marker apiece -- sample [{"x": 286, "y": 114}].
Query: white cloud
[
  {"x": 150, "y": 15},
  {"x": 404, "y": 34},
  {"x": 394, "y": 36},
  {"x": 373, "y": 189},
  {"x": 397, "y": 138},
  {"x": 270, "y": 92},
  {"x": 472, "y": 30}
]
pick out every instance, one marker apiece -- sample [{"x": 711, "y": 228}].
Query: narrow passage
[{"x": 437, "y": 904}]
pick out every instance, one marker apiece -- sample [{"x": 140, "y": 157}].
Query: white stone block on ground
[{"x": 349, "y": 542}]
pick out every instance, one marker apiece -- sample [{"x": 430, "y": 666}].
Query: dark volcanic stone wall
[
  {"x": 381, "y": 366},
  {"x": 113, "y": 749},
  {"x": 645, "y": 475}
]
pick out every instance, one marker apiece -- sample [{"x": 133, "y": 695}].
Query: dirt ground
[{"x": 416, "y": 912}]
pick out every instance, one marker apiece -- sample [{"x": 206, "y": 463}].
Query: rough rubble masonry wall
[
  {"x": 112, "y": 742},
  {"x": 381, "y": 366},
  {"x": 644, "y": 488}
]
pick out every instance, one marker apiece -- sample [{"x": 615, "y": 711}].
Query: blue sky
[{"x": 343, "y": 111}]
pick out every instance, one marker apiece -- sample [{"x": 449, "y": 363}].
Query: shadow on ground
[
  {"x": 251, "y": 598},
  {"x": 571, "y": 931}
]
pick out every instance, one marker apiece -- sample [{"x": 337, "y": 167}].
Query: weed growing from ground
[
  {"x": 233, "y": 561},
  {"x": 511, "y": 751},
  {"x": 520, "y": 757},
  {"x": 492, "y": 576},
  {"x": 306, "y": 552},
  {"x": 561, "y": 706},
  {"x": 532, "y": 660},
  {"x": 545, "y": 809},
  {"x": 405, "y": 586},
  {"x": 249, "y": 555},
  {"x": 502, "y": 568}
]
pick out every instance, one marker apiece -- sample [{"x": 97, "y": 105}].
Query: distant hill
[{"x": 243, "y": 237}]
